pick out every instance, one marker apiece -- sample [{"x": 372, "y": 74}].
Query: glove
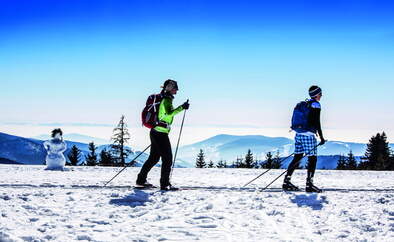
[
  {"x": 186, "y": 106},
  {"x": 322, "y": 141}
]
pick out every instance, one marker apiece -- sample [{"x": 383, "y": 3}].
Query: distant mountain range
[
  {"x": 76, "y": 138},
  {"x": 229, "y": 147},
  {"x": 14, "y": 149}
]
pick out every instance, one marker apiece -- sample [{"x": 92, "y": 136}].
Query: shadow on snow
[
  {"x": 137, "y": 198},
  {"x": 309, "y": 200}
]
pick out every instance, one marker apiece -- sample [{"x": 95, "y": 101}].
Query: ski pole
[
  {"x": 177, "y": 145},
  {"x": 130, "y": 163},
  {"x": 288, "y": 168},
  {"x": 265, "y": 171}
]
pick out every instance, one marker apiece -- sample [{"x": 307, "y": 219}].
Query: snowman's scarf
[{"x": 56, "y": 141}]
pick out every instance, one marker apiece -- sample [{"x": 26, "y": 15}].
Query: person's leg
[
  {"x": 152, "y": 160},
  {"x": 287, "y": 185},
  {"x": 299, "y": 153},
  {"x": 312, "y": 160},
  {"x": 310, "y": 187},
  {"x": 311, "y": 149},
  {"x": 294, "y": 164},
  {"x": 166, "y": 159}
]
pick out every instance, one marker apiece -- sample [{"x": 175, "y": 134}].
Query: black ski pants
[
  {"x": 160, "y": 148},
  {"x": 312, "y": 160}
]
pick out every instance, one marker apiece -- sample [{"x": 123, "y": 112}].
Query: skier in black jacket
[{"x": 306, "y": 143}]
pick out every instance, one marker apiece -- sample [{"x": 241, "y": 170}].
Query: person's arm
[
  {"x": 315, "y": 119},
  {"x": 167, "y": 111}
]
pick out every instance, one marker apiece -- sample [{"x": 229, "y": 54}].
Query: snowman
[{"x": 55, "y": 147}]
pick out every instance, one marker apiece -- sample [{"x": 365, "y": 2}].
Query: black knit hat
[
  {"x": 171, "y": 82},
  {"x": 314, "y": 91}
]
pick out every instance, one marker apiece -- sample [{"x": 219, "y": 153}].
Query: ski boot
[
  {"x": 169, "y": 187},
  {"x": 288, "y": 186},
  {"x": 142, "y": 183},
  {"x": 312, "y": 188}
]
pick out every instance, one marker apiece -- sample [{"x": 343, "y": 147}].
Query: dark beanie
[
  {"x": 168, "y": 82},
  {"x": 314, "y": 91}
]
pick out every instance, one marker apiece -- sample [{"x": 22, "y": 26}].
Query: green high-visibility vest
[{"x": 166, "y": 114}]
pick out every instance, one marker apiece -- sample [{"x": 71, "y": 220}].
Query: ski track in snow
[{"x": 39, "y": 205}]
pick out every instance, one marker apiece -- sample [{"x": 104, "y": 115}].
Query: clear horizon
[{"x": 140, "y": 135}]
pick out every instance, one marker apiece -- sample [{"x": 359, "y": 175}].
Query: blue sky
[{"x": 243, "y": 64}]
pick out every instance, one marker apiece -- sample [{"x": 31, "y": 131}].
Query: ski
[
  {"x": 155, "y": 188},
  {"x": 278, "y": 189},
  {"x": 144, "y": 187},
  {"x": 183, "y": 188}
]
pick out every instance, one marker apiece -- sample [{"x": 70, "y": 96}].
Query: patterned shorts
[{"x": 305, "y": 144}]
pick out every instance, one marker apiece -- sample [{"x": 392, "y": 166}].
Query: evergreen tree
[
  {"x": 91, "y": 158},
  {"x": 210, "y": 164},
  {"x": 106, "y": 158},
  {"x": 120, "y": 139},
  {"x": 341, "y": 164},
  {"x": 277, "y": 161},
  {"x": 257, "y": 163},
  {"x": 391, "y": 163},
  {"x": 351, "y": 163},
  {"x": 200, "y": 161},
  {"x": 377, "y": 154},
  {"x": 249, "y": 161},
  {"x": 74, "y": 156},
  {"x": 364, "y": 164},
  {"x": 221, "y": 164},
  {"x": 239, "y": 163},
  {"x": 268, "y": 161}
]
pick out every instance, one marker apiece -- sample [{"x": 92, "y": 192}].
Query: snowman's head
[{"x": 57, "y": 134}]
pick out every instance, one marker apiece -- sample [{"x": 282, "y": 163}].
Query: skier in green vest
[{"x": 160, "y": 142}]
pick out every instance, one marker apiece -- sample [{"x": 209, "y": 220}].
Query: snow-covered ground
[{"x": 39, "y": 205}]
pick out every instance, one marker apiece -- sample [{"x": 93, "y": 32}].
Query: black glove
[
  {"x": 186, "y": 106},
  {"x": 322, "y": 141}
]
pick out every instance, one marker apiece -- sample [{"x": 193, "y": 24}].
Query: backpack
[
  {"x": 300, "y": 119},
  {"x": 150, "y": 112}
]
